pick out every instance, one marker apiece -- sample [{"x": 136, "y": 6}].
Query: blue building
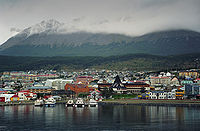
[{"x": 192, "y": 90}]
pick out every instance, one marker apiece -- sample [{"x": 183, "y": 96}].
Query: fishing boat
[
  {"x": 79, "y": 103},
  {"x": 70, "y": 103},
  {"x": 93, "y": 103},
  {"x": 39, "y": 102},
  {"x": 50, "y": 102}
]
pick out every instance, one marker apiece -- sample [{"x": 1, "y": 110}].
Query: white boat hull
[
  {"x": 50, "y": 102},
  {"x": 93, "y": 103},
  {"x": 79, "y": 105},
  {"x": 39, "y": 103}
]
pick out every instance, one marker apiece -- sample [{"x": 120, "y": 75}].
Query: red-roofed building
[
  {"x": 14, "y": 98},
  {"x": 197, "y": 81},
  {"x": 47, "y": 96},
  {"x": 26, "y": 95}
]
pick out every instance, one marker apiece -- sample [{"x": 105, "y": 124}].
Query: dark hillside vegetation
[{"x": 138, "y": 62}]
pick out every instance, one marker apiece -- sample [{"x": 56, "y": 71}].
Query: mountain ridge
[{"x": 48, "y": 42}]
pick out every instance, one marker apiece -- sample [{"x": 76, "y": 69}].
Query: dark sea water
[{"x": 104, "y": 117}]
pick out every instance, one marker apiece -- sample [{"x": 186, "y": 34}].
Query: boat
[
  {"x": 39, "y": 102},
  {"x": 79, "y": 103},
  {"x": 50, "y": 102},
  {"x": 93, "y": 103},
  {"x": 70, "y": 103}
]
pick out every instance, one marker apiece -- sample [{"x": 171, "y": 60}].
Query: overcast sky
[{"x": 130, "y": 17}]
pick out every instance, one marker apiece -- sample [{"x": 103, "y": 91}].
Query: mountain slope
[
  {"x": 134, "y": 62},
  {"x": 49, "y": 39}
]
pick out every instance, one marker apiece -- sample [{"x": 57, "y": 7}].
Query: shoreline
[
  {"x": 179, "y": 103},
  {"x": 24, "y": 103},
  {"x": 175, "y": 103}
]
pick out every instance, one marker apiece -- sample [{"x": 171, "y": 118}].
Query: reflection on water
[{"x": 107, "y": 117}]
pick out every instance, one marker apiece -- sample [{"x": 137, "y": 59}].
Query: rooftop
[{"x": 40, "y": 87}]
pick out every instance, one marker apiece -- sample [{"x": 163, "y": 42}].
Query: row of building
[{"x": 160, "y": 85}]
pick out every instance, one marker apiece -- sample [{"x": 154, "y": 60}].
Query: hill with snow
[{"x": 52, "y": 38}]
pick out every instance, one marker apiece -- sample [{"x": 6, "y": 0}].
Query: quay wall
[
  {"x": 24, "y": 103},
  {"x": 180, "y": 103}
]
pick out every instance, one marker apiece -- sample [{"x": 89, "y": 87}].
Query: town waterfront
[{"x": 103, "y": 117}]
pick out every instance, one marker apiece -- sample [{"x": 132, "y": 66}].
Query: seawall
[{"x": 183, "y": 103}]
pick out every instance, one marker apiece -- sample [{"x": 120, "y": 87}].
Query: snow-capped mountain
[
  {"x": 47, "y": 26},
  {"x": 52, "y": 38}
]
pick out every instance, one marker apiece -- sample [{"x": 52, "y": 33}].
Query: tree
[{"x": 83, "y": 95}]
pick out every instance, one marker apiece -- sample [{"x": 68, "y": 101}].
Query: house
[
  {"x": 102, "y": 86},
  {"x": 190, "y": 74},
  {"x": 161, "y": 95},
  {"x": 175, "y": 82},
  {"x": 58, "y": 84},
  {"x": 185, "y": 82},
  {"x": 197, "y": 80},
  {"x": 160, "y": 80},
  {"x": 26, "y": 95},
  {"x": 84, "y": 79},
  {"x": 2, "y": 91},
  {"x": 157, "y": 95},
  {"x": 41, "y": 89},
  {"x": 136, "y": 87},
  {"x": 8, "y": 89},
  {"x": 8, "y": 97},
  {"x": 95, "y": 95},
  {"x": 14, "y": 98},
  {"x": 133, "y": 87}
]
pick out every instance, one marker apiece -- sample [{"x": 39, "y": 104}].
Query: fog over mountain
[
  {"x": 53, "y": 38},
  {"x": 128, "y": 17}
]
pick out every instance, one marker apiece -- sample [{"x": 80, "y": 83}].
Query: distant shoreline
[{"x": 180, "y": 103}]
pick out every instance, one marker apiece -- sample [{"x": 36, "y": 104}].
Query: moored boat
[
  {"x": 79, "y": 103},
  {"x": 70, "y": 103},
  {"x": 50, "y": 102},
  {"x": 93, "y": 103},
  {"x": 39, "y": 102}
]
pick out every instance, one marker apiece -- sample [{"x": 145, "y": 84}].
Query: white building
[
  {"x": 58, "y": 84},
  {"x": 157, "y": 81},
  {"x": 162, "y": 95},
  {"x": 7, "y": 97},
  {"x": 175, "y": 82},
  {"x": 26, "y": 95}
]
